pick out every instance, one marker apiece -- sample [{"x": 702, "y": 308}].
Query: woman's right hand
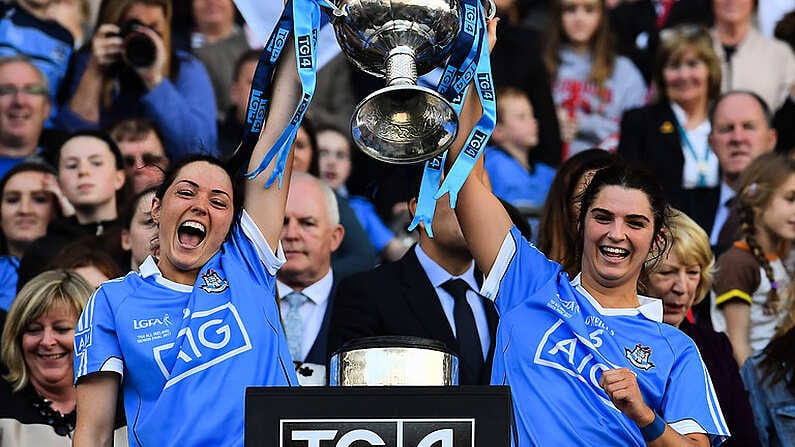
[{"x": 106, "y": 47}]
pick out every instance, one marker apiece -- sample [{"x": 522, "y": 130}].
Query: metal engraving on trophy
[{"x": 398, "y": 40}]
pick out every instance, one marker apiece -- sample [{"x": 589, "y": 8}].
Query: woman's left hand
[
  {"x": 152, "y": 75},
  {"x": 621, "y": 385}
]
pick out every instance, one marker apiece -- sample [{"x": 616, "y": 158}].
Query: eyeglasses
[{"x": 33, "y": 89}]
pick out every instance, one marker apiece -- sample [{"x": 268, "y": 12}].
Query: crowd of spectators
[{"x": 99, "y": 98}]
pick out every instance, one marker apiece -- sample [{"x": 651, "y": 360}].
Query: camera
[{"x": 139, "y": 49}]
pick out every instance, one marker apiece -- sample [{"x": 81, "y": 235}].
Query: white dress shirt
[
  {"x": 312, "y": 311},
  {"x": 438, "y": 276},
  {"x": 722, "y": 213}
]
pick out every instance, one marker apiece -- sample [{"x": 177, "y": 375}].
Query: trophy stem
[{"x": 401, "y": 66}]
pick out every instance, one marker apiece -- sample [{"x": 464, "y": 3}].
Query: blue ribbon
[
  {"x": 479, "y": 137},
  {"x": 301, "y": 18},
  {"x": 469, "y": 55}
]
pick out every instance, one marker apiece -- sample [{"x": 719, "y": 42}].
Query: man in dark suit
[
  {"x": 741, "y": 131},
  {"x": 414, "y": 297},
  {"x": 306, "y": 282}
]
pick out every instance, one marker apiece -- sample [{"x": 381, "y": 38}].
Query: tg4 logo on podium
[{"x": 377, "y": 432}]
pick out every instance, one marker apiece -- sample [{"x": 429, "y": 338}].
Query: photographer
[{"x": 131, "y": 69}]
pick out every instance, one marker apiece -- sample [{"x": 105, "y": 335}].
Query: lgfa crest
[
  {"x": 213, "y": 283},
  {"x": 639, "y": 357}
]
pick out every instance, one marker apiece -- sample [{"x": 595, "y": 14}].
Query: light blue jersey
[
  {"x": 554, "y": 340},
  {"x": 186, "y": 353}
]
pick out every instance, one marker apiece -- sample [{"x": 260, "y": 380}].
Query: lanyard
[
  {"x": 469, "y": 58},
  {"x": 701, "y": 163},
  {"x": 301, "y": 18}
]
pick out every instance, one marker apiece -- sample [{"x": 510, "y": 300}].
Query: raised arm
[
  {"x": 266, "y": 205},
  {"x": 483, "y": 220}
]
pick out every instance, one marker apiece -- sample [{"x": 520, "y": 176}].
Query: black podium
[{"x": 461, "y": 416}]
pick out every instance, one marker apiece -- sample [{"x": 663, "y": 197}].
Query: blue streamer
[
  {"x": 479, "y": 137},
  {"x": 453, "y": 83},
  {"x": 301, "y": 18}
]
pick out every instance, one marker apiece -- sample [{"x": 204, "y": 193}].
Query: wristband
[{"x": 654, "y": 430}]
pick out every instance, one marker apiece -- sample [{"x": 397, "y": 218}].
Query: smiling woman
[
  {"x": 681, "y": 280},
  {"x": 201, "y": 318},
  {"x": 37, "y": 399},
  {"x": 671, "y": 135},
  {"x": 28, "y": 202},
  {"x": 590, "y": 346}
]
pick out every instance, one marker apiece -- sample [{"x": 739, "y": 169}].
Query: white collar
[
  {"x": 317, "y": 293},
  {"x": 651, "y": 308},
  {"x": 437, "y": 275},
  {"x": 681, "y": 117},
  {"x": 726, "y": 193},
  {"x": 149, "y": 268}
]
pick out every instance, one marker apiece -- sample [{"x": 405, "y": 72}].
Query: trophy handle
[{"x": 491, "y": 9}]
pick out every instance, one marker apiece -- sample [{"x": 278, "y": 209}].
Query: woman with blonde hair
[
  {"x": 130, "y": 68},
  {"x": 37, "y": 399},
  {"x": 682, "y": 280},
  {"x": 670, "y": 136}
]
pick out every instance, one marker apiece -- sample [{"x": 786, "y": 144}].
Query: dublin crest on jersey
[
  {"x": 213, "y": 283},
  {"x": 639, "y": 357}
]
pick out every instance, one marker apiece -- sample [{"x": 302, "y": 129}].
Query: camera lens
[{"x": 139, "y": 49}]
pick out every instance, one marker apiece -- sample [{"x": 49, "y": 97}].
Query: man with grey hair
[
  {"x": 741, "y": 131},
  {"x": 24, "y": 108},
  {"x": 306, "y": 282}
]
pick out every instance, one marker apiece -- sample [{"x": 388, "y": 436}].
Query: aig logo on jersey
[
  {"x": 378, "y": 432},
  {"x": 209, "y": 338}
]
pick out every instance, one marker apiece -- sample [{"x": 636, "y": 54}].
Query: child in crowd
[
  {"x": 334, "y": 167},
  {"x": 514, "y": 177},
  {"x": 769, "y": 376},
  {"x": 752, "y": 287},
  {"x": 592, "y": 86},
  {"x": 90, "y": 174}
]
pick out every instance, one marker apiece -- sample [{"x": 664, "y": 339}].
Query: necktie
[
  {"x": 470, "y": 352},
  {"x": 293, "y": 324}
]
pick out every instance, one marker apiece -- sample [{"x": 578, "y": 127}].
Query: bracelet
[{"x": 654, "y": 430}]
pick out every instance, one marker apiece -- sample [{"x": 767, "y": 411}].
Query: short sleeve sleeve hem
[
  {"x": 731, "y": 295},
  {"x": 113, "y": 364},
  {"x": 491, "y": 286},
  {"x": 272, "y": 261},
  {"x": 687, "y": 426}
]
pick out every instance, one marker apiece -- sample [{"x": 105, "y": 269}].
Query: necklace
[{"x": 63, "y": 424}]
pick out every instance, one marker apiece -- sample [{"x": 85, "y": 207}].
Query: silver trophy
[
  {"x": 393, "y": 361},
  {"x": 397, "y": 40}
]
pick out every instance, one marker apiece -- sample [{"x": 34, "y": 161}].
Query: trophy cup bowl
[{"x": 395, "y": 40}]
